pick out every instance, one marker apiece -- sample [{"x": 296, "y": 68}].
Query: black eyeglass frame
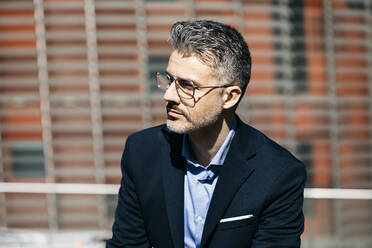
[{"x": 179, "y": 81}]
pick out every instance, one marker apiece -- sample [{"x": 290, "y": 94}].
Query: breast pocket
[
  {"x": 237, "y": 223},
  {"x": 237, "y": 233}
]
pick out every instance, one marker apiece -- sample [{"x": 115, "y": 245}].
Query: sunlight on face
[{"x": 188, "y": 115}]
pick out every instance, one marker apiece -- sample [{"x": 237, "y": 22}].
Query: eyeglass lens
[{"x": 184, "y": 88}]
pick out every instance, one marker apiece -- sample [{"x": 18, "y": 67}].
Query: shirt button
[{"x": 199, "y": 219}]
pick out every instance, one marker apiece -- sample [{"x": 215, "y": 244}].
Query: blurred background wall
[{"x": 77, "y": 77}]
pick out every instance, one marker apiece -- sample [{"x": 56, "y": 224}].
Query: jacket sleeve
[
  {"x": 282, "y": 222},
  {"x": 128, "y": 229}
]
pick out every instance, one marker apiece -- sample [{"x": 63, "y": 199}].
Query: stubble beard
[{"x": 191, "y": 124}]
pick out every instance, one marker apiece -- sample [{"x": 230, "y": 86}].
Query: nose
[{"x": 171, "y": 95}]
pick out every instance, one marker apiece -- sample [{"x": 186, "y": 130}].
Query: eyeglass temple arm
[{"x": 220, "y": 86}]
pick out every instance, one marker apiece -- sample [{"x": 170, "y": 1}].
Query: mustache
[{"x": 174, "y": 107}]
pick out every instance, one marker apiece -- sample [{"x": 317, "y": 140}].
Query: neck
[{"x": 206, "y": 142}]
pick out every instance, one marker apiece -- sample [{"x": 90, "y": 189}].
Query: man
[{"x": 206, "y": 179}]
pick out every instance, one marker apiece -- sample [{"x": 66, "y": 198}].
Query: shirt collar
[{"x": 220, "y": 156}]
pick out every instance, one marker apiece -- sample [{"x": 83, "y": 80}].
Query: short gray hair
[{"x": 217, "y": 45}]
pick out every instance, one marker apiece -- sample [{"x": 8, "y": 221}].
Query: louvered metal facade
[{"x": 76, "y": 78}]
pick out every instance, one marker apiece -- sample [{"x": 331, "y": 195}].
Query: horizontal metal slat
[
  {"x": 117, "y": 50},
  {"x": 68, "y": 157},
  {"x": 342, "y": 70},
  {"x": 157, "y": 35},
  {"x": 113, "y": 172},
  {"x": 18, "y": 66},
  {"x": 62, "y": 20},
  {"x": 20, "y": 113},
  {"x": 260, "y": 8},
  {"x": 16, "y": 202},
  {"x": 18, "y": 36},
  {"x": 119, "y": 80},
  {"x": 18, "y": 51},
  {"x": 118, "y": 4},
  {"x": 65, "y": 35},
  {"x": 350, "y": 27},
  {"x": 72, "y": 65},
  {"x": 16, "y": 5},
  {"x": 70, "y": 112},
  {"x": 19, "y": 98},
  {"x": 72, "y": 142},
  {"x": 65, "y": 5},
  {"x": 78, "y": 217},
  {"x": 68, "y": 80},
  {"x": 122, "y": 97},
  {"x": 66, "y": 50},
  {"x": 72, "y": 127},
  {"x": 19, "y": 82},
  {"x": 26, "y": 218},
  {"x": 119, "y": 65},
  {"x": 165, "y": 5},
  {"x": 114, "y": 141},
  {"x": 74, "y": 172},
  {"x": 124, "y": 110},
  {"x": 116, "y": 35},
  {"x": 70, "y": 97},
  {"x": 16, "y": 21},
  {"x": 339, "y": 13},
  {"x": 70, "y": 200},
  {"x": 162, "y": 20},
  {"x": 350, "y": 41},
  {"x": 21, "y": 127},
  {"x": 122, "y": 126},
  {"x": 117, "y": 19},
  {"x": 219, "y": 18},
  {"x": 224, "y": 6}
]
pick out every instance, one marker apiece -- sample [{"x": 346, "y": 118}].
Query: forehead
[{"x": 190, "y": 67}]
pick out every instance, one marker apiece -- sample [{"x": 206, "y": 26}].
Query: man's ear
[{"x": 231, "y": 96}]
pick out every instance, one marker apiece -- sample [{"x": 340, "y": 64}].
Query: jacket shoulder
[
  {"x": 141, "y": 147},
  {"x": 273, "y": 156},
  {"x": 147, "y": 136},
  {"x": 144, "y": 133},
  {"x": 268, "y": 146}
]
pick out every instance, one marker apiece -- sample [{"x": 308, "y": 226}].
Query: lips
[{"x": 174, "y": 112}]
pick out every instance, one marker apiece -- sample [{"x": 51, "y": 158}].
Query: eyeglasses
[{"x": 185, "y": 88}]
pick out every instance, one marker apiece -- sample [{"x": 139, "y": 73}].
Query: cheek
[
  {"x": 189, "y": 112},
  {"x": 207, "y": 108},
  {"x": 188, "y": 107},
  {"x": 213, "y": 103}
]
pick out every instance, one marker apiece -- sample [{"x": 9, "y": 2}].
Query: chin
[
  {"x": 178, "y": 126},
  {"x": 175, "y": 127},
  {"x": 187, "y": 126}
]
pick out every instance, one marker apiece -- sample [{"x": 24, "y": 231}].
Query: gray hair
[{"x": 217, "y": 45}]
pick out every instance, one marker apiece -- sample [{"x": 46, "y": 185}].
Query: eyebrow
[{"x": 188, "y": 80}]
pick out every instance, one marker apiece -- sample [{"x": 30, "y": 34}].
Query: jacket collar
[
  {"x": 173, "y": 169},
  {"x": 234, "y": 172}
]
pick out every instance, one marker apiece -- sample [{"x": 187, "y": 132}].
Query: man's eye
[{"x": 185, "y": 84}]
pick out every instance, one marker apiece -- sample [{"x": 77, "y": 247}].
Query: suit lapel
[
  {"x": 173, "y": 184},
  {"x": 235, "y": 170}
]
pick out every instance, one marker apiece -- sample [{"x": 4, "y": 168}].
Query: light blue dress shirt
[{"x": 199, "y": 186}]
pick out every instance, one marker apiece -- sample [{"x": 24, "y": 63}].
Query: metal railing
[{"x": 112, "y": 189}]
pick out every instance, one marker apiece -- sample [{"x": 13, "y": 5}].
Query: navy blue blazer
[{"x": 259, "y": 179}]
